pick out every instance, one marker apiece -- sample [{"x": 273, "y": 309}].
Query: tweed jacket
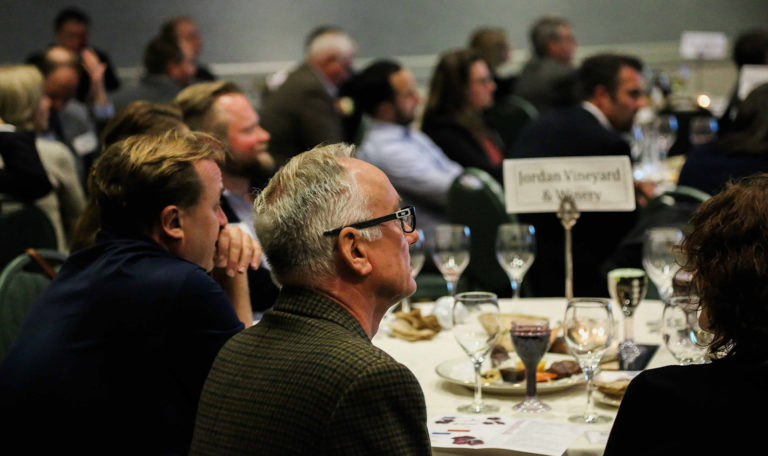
[
  {"x": 299, "y": 115},
  {"x": 306, "y": 380}
]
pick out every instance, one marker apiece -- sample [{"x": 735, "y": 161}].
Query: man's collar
[
  {"x": 330, "y": 87},
  {"x": 595, "y": 111}
]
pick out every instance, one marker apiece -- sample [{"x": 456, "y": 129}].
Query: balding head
[{"x": 332, "y": 53}]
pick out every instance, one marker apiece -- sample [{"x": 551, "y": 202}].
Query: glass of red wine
[{"x": 531, "y": 339}]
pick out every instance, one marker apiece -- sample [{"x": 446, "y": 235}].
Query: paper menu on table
[{"x": 497, "y": 432}]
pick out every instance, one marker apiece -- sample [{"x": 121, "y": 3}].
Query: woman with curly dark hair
[
  {"x": 461, "y": 89},
  {"x": 664, "y": 410}
]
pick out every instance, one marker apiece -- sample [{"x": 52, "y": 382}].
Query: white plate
[{"x": 461, "y": 372}]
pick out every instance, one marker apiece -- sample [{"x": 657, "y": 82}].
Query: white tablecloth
[{"x": 443, "y": 397}]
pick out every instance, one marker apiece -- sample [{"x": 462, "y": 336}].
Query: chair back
[
  {"x": 508, "y": 117},
  {"x": 476, "y": 200},
  {"x": 23, "y": 226},
  {"x": 21, "y": 283}
]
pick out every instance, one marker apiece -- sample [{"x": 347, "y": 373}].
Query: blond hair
[
  {"x": 312, "y": 193},
  {"x": 136, "y": 178},
  {"x": 196, "y": 104},
  {"x": 21, "y": 89}
]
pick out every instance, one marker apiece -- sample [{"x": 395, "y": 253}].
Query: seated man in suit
[
  {"x": 417, "y": 168},
  {"x": 113, "y": 355},
  {"x": 546, "y": 80},
  {"x": 304, "y": 111},
  {"x": 220, "y": 108},
  {"x": 611, "y": 90},
  {"x": 307, "y": 380},
  {"x": 168, "y": 70}
]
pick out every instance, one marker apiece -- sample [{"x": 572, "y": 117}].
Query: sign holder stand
[{"x": 568, "y": 214}]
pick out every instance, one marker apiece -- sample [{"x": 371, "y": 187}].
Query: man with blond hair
[
  {"x": 304, "y": 111},
  {"x": 221, "y": 109},
  {"x": 307, "y": 380},
  {"x": 113, "y": 355}
]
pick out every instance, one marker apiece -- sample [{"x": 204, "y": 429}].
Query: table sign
[
  {"x": 703, "y": 45},
  {"x": 751, "y": 76},
  {"x": 504, "y": 433},
  {"x": 601, "y": 183}
]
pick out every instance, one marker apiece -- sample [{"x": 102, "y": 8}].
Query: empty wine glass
[
  {"x": 588, "y": 329},
  {"x": 681, "y": 331},
  {"x": 666, "y": 131},
  {"x": 531, "y": 340},
  {"x": 660, "y": 250},
  {"x": 476, "y": 336},
  {"x": 515, "y": 250},
  {"x": 450, "y": 252},
  {"x": 703, "y": 129},
  {"x": 627, "y": 287},
  {"x": 417, "y": 262}
]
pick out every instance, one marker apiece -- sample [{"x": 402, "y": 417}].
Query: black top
[
  {"x": 702, "y": 409},
  {"x": 708, "y": 168},
  {"x": 22, "y": 174}
]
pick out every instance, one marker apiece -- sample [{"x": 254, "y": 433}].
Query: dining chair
[
  {"x": 476, "y": 200},
  {"x": 23, "y": 225},
  {"x": 21, "y": 283},
  {"x": 508, "y": 117}
]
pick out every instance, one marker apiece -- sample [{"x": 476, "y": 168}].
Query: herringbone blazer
[{"x": 307, "y": 380}]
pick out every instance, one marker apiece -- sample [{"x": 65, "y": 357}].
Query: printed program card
[{"x": 497, "y": 432}]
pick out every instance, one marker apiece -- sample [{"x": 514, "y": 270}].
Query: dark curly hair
[{"x": 727, "y": 251}]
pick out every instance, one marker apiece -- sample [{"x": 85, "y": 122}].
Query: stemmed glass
[
  {"x": 659, "y": 257},
  {"x": 666, "y": 128},
  {"x": 531, "y": 340},
  {"x": 588, "y": 329},
  {"x": 515, "y": 250},
  {"x": 450, "y": 252},
  {"x": 627, "y": 287},
  {"x": 681, "y": 331},
  {"x": 703, "y": 130},
  {"x": 476, "y": 336},
  {"x": 417, "y": 262}
]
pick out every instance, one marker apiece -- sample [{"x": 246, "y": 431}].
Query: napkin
[{"x": 413, "y": 326}]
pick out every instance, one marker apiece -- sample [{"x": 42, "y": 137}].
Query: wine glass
[
  {"x": 515, "y": 250},
  {"x": 681, "y": 331},
  {"x": 531, "y": 340},
  {"x": 588, "y": 329},
  {"x": 627, "y": 287},
  {"x": 666, "y": 131},
  {"x": 417, "y": 262},
  {"x": 450, "y": 252},
  {"x": 703, "y": 129},
  {"x": 476, "y": 336},
  {"x": 660, "y": 249}
]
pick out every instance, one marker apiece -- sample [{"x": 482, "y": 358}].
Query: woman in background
[
  {"x": 461, "y": 89},
  {"x": 23, "y": 105}
]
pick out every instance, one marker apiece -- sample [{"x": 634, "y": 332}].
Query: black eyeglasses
[{"x": 407, "y": 217}]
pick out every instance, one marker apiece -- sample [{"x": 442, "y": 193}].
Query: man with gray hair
[
  {"x": 547, "y": 79},
  {"x": 307, "y": 380},
  {"x": 304, "y": 111}
]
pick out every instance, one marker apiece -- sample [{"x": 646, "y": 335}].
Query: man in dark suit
[
  {"x": 113, "y": 355},
  {"x": 611, "y": 90},
  {"x": 221, "y": 109},
  {"x": 307, "y": 380},
  {"x": 304, "y": 111}
]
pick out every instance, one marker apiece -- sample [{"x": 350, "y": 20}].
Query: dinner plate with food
[
  {"x": 555, "y": 372},
  {"x": 611, "y": 386}
]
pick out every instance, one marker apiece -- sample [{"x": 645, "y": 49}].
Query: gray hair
[
  {"x": 312, "y": 193},
  {"x": 544, "y": 31},
  {"x": 333, "y": 44}
]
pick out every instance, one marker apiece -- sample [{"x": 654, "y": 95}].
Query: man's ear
[
  {"x": 601, "y": 96},
  {"x": 170, "y": 222},
  {"x": 354, "y": 251}
]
